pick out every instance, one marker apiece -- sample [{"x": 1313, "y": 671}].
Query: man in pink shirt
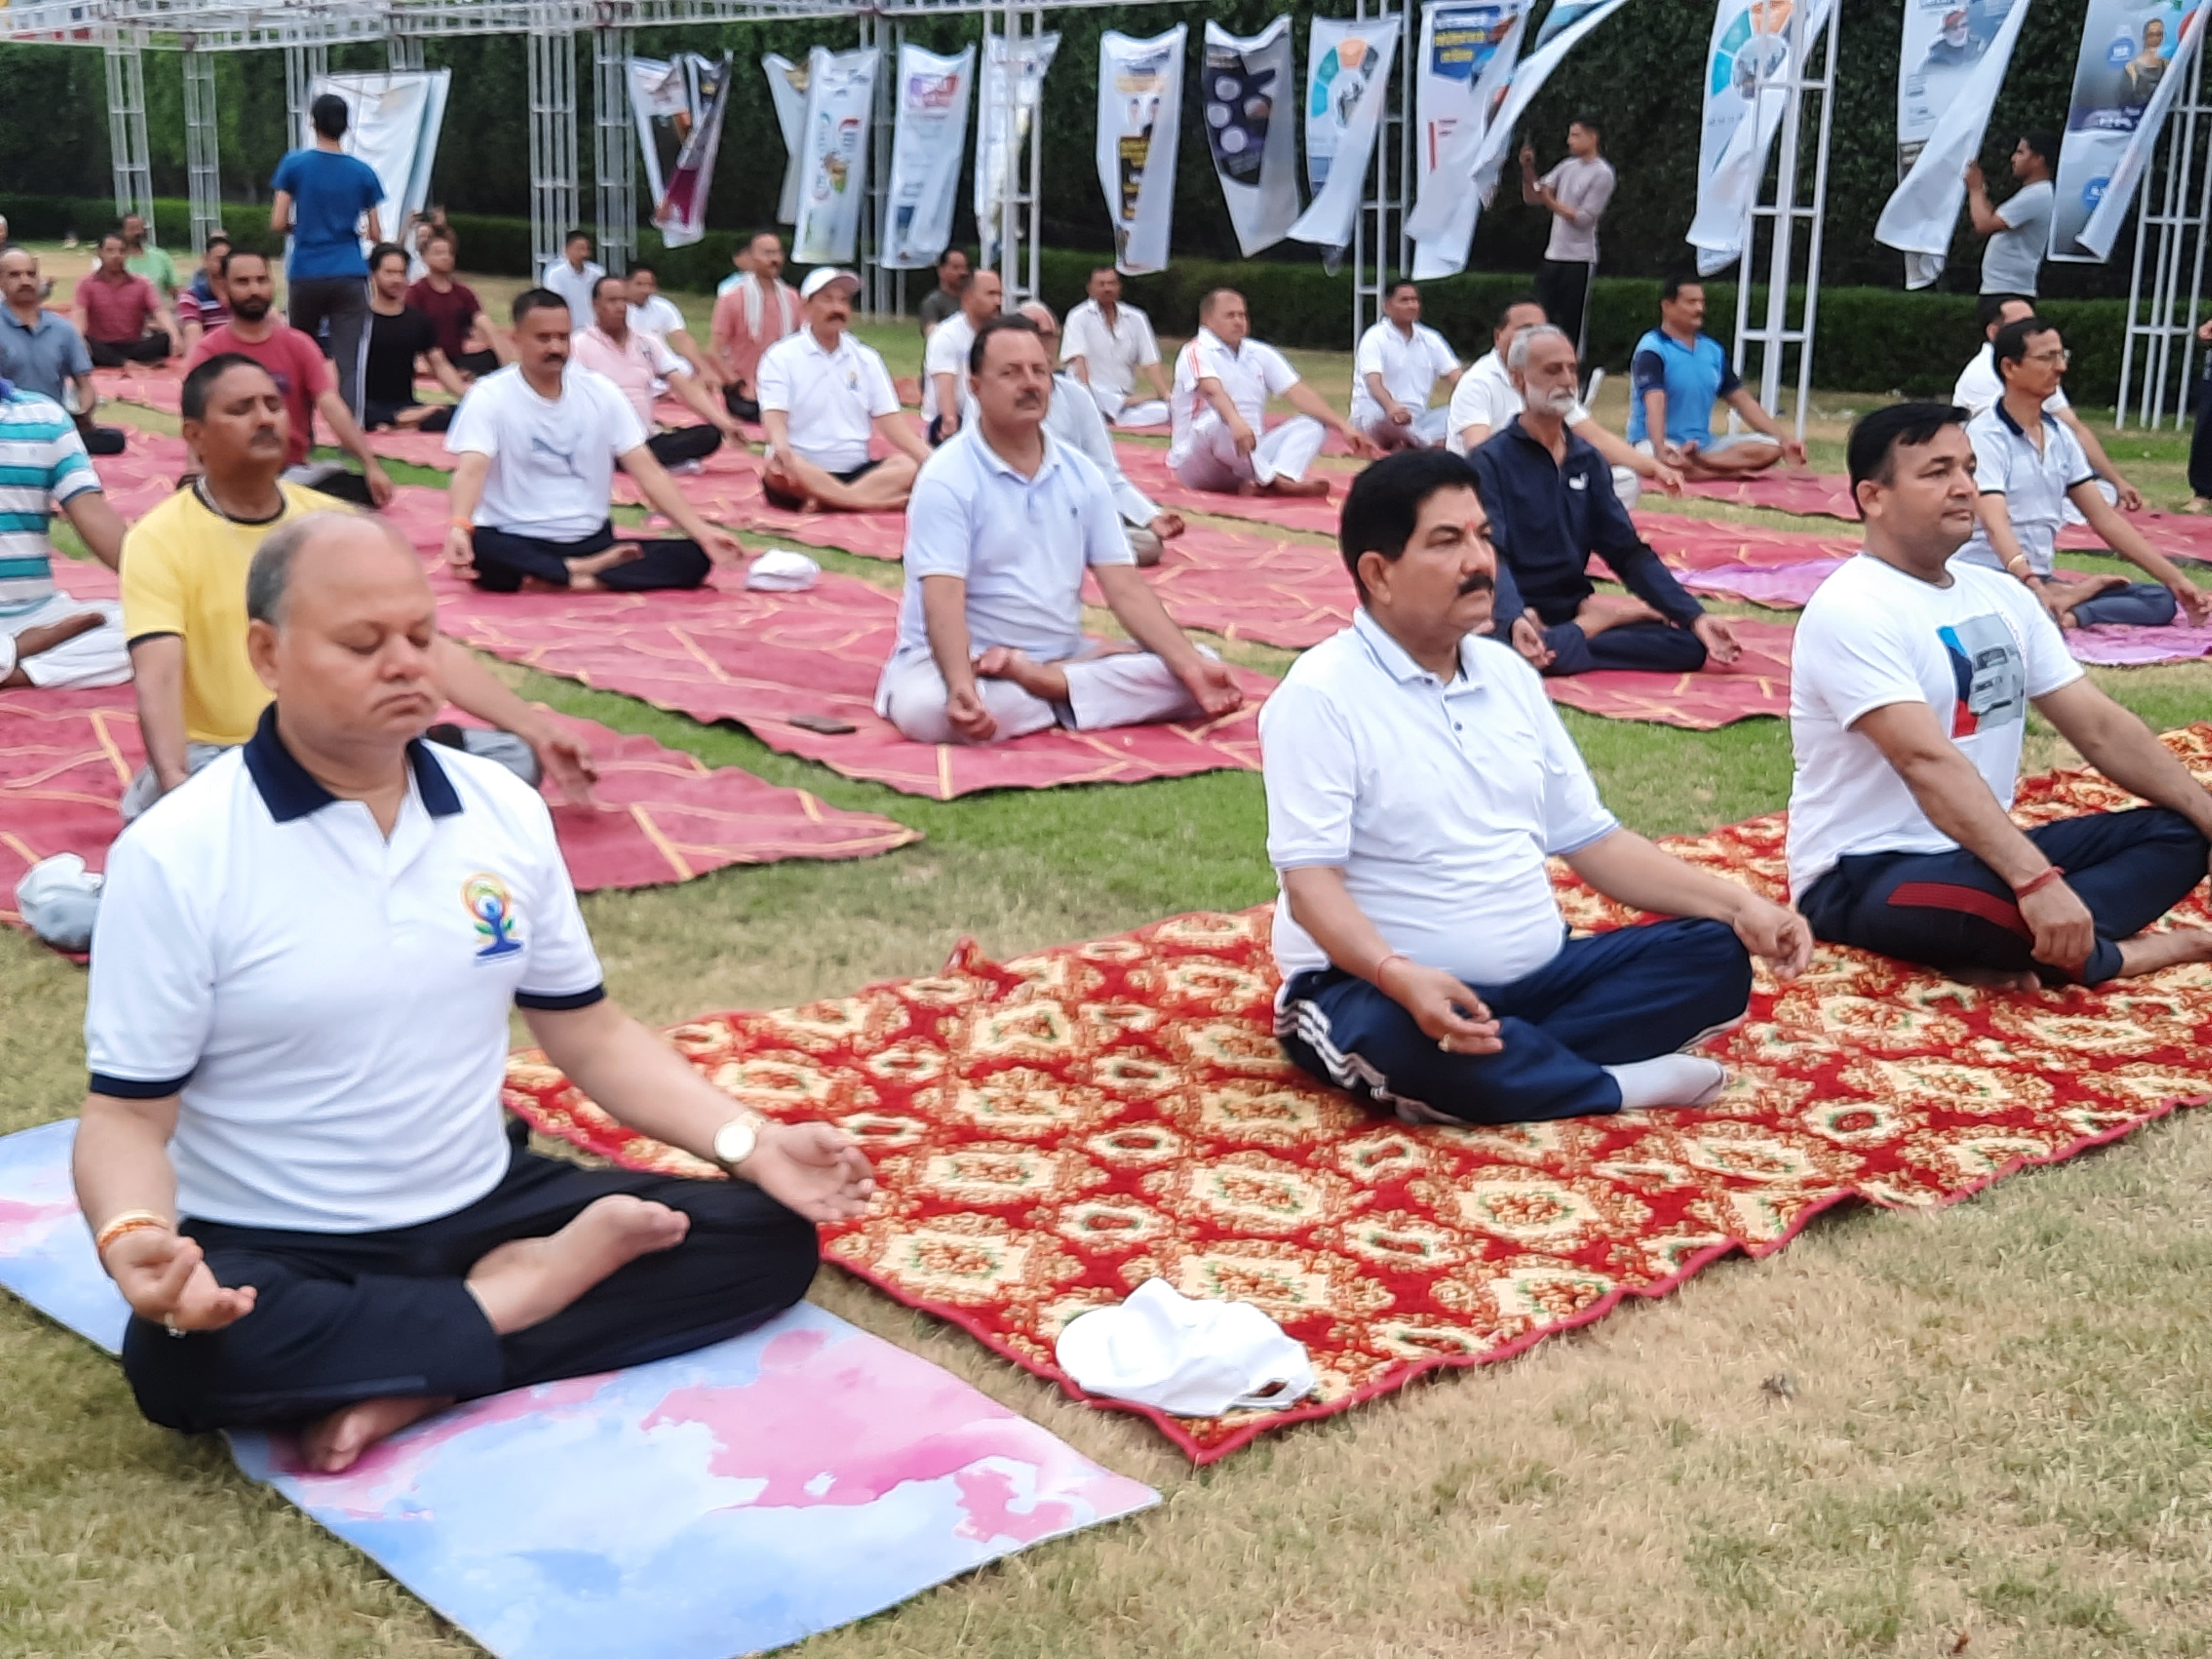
[
  {"x": 634, "y": 360},
  {"x": 112, "y": 309},
  {"x": 756, "y": 310}
]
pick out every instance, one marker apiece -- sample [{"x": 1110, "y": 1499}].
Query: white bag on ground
[
  {"x": 780, "y": 571},
  {"x": 58, "y": 899},
  {"x": 1186, "y": 1358}
]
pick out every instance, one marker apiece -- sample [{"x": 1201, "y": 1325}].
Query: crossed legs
[
  {"x": 1112, "y": 683},
  {"x": 798, "y": 485},
  {"x": 1276, "y": 465}
]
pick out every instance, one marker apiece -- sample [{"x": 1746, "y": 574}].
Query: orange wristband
[
  {"x": 130, "y": 1221},
  {"x": 2036, "y": 883}
]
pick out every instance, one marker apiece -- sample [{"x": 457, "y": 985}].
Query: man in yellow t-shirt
[{"x": 184, "y": 601}]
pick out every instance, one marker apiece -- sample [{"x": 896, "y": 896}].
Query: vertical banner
[
  {"x": 1347, "y": 89},
  {"x": 1140, "y": 116},
  {"x": 930, "y": 133},
  {"x": 1950, "y": 66},
  {"x": 393, "y": 123},
  {"x": 2124, "y": 82},
  {"x": 997, "y": 150},
  {"x": 1746, "y": 66},
  {"x": 680, "y": 212},
  {"x": 1467, "y": 57},
  {"x": 661, "y": 104},
  {"x": 841, "y": 89},
  {"x": 786, "y": 85},
  {"x": 1247, "y": 81}
]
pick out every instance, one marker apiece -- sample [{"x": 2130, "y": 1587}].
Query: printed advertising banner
[
  {"x": 841, "y": 86},
  {"x": 1746, "y": 66},
  {"x": 994, "y": 153},
  {"x": 669, "y": 101},
  {"x": 1466, "y": 58},
  {"x": 1250, "y": 130},
  {"x": 680, "y": 209},
  {"x": 1347, "y": 88},
  {"x": 393, "y": 125},
  {"x": 2142, "y": 57},
  {"x": 1950, "y": 65},
  {"x": 1139, "y": 117},
  {"x": 930, "y": 133},
  {"x": 786, "y": 85}
]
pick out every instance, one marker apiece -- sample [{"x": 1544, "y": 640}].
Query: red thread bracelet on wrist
[{"x": 2036, "y": 883}]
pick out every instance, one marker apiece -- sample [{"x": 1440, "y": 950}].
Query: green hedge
[{"x": 1867, "y": 339}]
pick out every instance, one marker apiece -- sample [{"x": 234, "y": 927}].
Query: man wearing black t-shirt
[{"x": 397, "y": 335}]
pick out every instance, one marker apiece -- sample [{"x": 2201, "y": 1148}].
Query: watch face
[{"x": 734, "y": 1142}]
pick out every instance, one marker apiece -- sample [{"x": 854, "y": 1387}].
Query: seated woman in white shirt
[
  {"x": 823, "y": 396},
  {"x": 1418, "y": 780},
  {"x": 1005, "y": 523}
]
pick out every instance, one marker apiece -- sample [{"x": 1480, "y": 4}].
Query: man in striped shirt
[{"x": 46, "y": 638}]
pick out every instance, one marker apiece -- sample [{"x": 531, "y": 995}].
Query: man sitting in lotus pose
[
  {"x": 1004, "y": 525},
  {"x": 1223, "y": 381},
  {"x": 1909, "y": 687},
  {"x": 823, "y": 394},
  {"x": 1979, "y": 386},
  {"x": 536, "y": 445},
  {"x": 1418, "y": 779},
  {"x": 1676, "y": 375},
  {"x": 1395, "y": 372},
  {"x": 1551, "y": 505},
  {"x": 292, "y": 1157}
]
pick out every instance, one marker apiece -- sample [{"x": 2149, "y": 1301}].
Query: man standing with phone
[{"x": 1575, "y": 193}]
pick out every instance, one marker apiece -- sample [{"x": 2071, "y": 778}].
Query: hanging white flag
[
  {"x": 1466, "y": 59},
  {"x": 787, "y": 86},
  {"x": 1950, "y": 64},
  {"x": 662, "y": 109},
  {"x": 393, "y": 123},
  {"x": 1347, "y": 88},
  {"x": 994, "y": 153},
  {"x": 1745, "y": 68},
  {"x": 931, "y": 132},
  {"x": 680, "y": 212},
  {"x": 1139, "y": 117},
  {"x": 2143, "y": 56},
  {"x": 1248, "y": 86},
  {"x": 840, "y": 88}
]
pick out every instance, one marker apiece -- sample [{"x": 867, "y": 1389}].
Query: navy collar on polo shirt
[
  {"x": 2019, "y": 431},
  {"x": 290, "y": 791}
]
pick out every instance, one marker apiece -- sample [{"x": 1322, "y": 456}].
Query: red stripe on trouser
[{"x": 1972, "y": 901}]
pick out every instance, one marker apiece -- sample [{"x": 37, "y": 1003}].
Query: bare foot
[
  {"x": 330, "y": 1444},
  {"x": 1993, "y": 979},
  {"x": 1296, "y": 487},
  {"x": 529, "y": 1279},
  {"x": 2197, "y": 504},
  {"x": 1039, "y": 679},
  {"x": 1247, "y": 486},
  {"x": 591, "y": 565},
  {"x": 1603, "y": 610},
  {"x": 2145, "y": 953}
]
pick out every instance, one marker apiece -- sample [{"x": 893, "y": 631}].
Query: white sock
[{"x": 1669, "y": 1080}]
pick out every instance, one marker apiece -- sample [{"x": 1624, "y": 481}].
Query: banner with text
[
  {"x": 841, "y": 89},
  {"x": 393, "y": 125},
  {"x": 1466, "y": 60},
  {"x": 1140, "y": 119},
  {"x": 1347, "y": 89},
  {"x": 2134, "y": 56},
  {"x": 1008, "y": 90},
  {"x": 787, "y": 86},
  {"x": 1950, "y": 65},
  {"x": 929, "y": 135},
  {"x": 1248, "y": 83},
  {"x": 1747, "y": 66}
]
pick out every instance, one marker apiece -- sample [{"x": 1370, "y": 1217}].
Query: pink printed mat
[{"x": 1756, "y": 684}]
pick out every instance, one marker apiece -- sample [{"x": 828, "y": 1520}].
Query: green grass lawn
[{"x": 1996, "y": 1437}]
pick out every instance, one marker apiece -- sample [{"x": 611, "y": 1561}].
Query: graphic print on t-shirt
[{"x": 1987, "y": 673}]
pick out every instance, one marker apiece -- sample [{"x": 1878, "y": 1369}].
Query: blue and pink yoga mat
[{"x": 721, "y": 1503}]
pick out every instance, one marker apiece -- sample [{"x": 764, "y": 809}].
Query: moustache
[{"x": 1480, "y": 582}]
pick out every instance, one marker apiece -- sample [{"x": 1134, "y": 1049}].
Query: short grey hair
[
  {"x": 1040, "y": 313},
  {"x": 1516, "y": 355},
  {"x": 269, "y": 578}
]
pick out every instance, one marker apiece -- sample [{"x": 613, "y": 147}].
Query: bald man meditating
[
  {"x": 1218, "y": 412},
  {"x": 293, "y": 1158}
]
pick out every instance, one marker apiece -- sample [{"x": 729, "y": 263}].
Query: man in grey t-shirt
[
  {"x": 2019, "y": 232},
  {"x": 1575, "y": 193}
]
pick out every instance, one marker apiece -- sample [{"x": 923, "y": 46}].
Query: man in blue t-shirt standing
[
  {"x": 1673, "y": 378},
  {"x": 323, "y": 196}
]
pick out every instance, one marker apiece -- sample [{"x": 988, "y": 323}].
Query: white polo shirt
[
  {"x": 1410, "y": 365},
  {"x": 574, "y": 286},
  {"x": 1112, "y": 353},
  {"x": 1073, "y": 418},
  {"x": 1250, "y": 374},
  {"x": 946, "y": 353},
  {"x": 1439, "y": 800},
  {"x": 831, "y": 399},
  {"x": 657, "y": 317},
  {"x": 552, "y": 462},
  {"x": 1022, "y": 546},
  {"x": 331, "y": 1006},
  {"x": 2034, "y": 482},
  {"x": 1979, "y": 387},
  {"x": 1487, "y": 397}
]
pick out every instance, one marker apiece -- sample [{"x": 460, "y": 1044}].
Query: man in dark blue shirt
[
  {"x": 324, "y": 200},
  {"x": 1550, "y": 498}
]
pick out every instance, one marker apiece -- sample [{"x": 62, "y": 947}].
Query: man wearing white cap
[
  {"x": 1223, "y": 381},
  {"x": 1006, "y": 523},
  {"x": 1074, "y": 419},
  {"x": 823, "y": 397}
]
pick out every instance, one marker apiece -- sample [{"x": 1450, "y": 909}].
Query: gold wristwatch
[{"x": 737, "y": 1140}]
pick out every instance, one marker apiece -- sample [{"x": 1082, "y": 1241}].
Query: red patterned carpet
[{"x": 1052, "y": 1130}]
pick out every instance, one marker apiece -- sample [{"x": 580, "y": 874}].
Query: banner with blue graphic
[{"x": 2125, "y": 79}]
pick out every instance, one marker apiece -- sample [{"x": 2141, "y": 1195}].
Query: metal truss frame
[
  {"x": 2171, "y": 232},
  {"x": 203, "y": 161}
]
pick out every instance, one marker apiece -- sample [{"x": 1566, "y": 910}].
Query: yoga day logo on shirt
[{"x": 493, "y": 908}]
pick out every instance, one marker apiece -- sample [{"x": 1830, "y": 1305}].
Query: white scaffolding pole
[
  {"x": 614, "y": 144},
  {"x": 126, "y": 131},
  {"x": 1021, "y": 197},
  {"x": 552, "y": 48},
  {"x": 202, "y": 158},
  {"x": 303, "y": 67},
  {"x": 1379, "y": 243},
  {"x": 887, "y": 39},
  {"x": 1777, "y": 334},
  {"x": 2172, "y": 230},
  {"x": 403, "y": 53}
]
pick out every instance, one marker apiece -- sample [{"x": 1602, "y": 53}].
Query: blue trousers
[
  {"x": 1950, "y": 910},
  {"x": 2139, "y": 604},
  {"x": 1633, "y": 993},
  {"x": 1651, "y": 647}
]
